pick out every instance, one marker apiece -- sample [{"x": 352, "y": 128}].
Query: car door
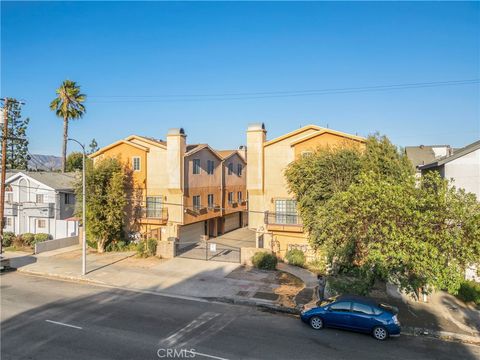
[
  {"x": 362, "y": 317},
  {"x": 338, "y": 315}
]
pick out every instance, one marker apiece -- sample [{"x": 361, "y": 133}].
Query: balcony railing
[
  {"x": 161, "y": 214},
  {"x": 283, "y": 220}
]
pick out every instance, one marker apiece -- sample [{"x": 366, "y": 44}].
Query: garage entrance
[{"x": 193, "y": 243}]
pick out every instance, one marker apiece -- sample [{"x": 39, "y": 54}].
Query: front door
[{"x": 338, "y": 315}]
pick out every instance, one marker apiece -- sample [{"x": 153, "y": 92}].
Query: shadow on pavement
[{"x": 121, "y": 324}]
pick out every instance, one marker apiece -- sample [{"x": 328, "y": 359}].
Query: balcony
[
  {"x": 11, "y": 209},
  {"x": 46, "y": 210},
  {"x": 154, "y": 216},
  {"x": 283, "y": 221}
]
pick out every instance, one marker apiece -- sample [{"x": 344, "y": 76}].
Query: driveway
[{"x": 243, "y": 237}]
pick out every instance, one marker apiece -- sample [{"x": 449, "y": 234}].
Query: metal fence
[{"x": 208, "y": 251}]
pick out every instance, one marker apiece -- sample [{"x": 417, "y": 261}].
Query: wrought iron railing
[{"x": 155, "y": 213}]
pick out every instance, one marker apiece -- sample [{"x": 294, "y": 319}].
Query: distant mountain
[{"x": 45, "y": 162}]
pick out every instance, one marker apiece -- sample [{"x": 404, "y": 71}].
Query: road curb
[
  {"x": 442, "y": 335},
  {"x": 259, "y": 304}
]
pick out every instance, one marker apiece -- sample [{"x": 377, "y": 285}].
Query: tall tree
[
  {"x": 17, "y": 142},
  {"x": 74, "y": 161},
  {"x": 93, "y": 147},
  {"x": 108, "y": 185},
  {"x": 68, "y": 105}
]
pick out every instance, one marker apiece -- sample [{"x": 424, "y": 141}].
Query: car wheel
[
  {"x": 380, "y": 333},
  {"x": 316, "y": 322}
]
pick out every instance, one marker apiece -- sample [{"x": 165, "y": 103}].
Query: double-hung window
[
  {"x": 196, "y": 166},
  {"x": 230, "y": 197},
  {"x": 196, "y": 202},
  {"x": 210, "y": 167},
  {"x": 239, "y": 196},
  {"x": 286, "y": 211},
  {"x": 154, "y": 207},
  {"x": 39, "y": 198},
  {"x": 239, "y": 169},
  {"x": 136, "y": 163}
]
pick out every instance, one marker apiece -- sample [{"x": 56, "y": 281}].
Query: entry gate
[{"x": 207, "y": 250}]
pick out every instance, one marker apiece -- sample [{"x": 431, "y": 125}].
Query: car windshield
[{"x": 325, "y": 302}]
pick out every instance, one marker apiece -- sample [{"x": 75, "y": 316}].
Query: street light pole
[{"x": 84, "y": 230}]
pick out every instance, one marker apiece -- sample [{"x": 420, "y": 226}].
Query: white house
[
  {"x": 41, "y": 202},
  {"x": 463, "y": 167}
]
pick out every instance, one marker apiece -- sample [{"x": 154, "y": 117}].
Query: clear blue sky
[{"x": 155, "y": 49}]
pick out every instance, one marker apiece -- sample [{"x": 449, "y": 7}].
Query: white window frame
[
  {"x": 39, "y": 222},
  {"x": 9, "y": 221},
  {"x": 199, "y": 205},
  {"x": 42, "y": 198},
  {"x": 134, "y": 158},
  {"x": 211, "y": 200},
  {"x": 9, "y": 197},
  {"x": 196, "y": 166}
]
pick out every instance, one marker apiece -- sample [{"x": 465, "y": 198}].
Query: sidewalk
[{"x": 208, "y": 280}]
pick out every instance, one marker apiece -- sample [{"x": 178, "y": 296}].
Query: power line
[{"x": 273, "y": 94}]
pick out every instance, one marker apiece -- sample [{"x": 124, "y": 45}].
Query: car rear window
[{"x": 389, "y": 308}]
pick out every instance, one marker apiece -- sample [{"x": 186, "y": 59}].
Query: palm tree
[{"x": 68, "y": 106}]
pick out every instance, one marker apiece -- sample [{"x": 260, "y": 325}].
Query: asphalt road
[{"x": 49, "y": 319}]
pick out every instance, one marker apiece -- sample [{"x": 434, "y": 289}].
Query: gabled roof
[
  {"x": 292, "y": 133},
  {"x": 199, "y": 147},
  {"x": 54, "y": 180},
  {"x": 457, "y": 154},
  {"x": 148, "y": 140},
  {"x": 116, "y": 143},
  {"x": 328, "y": 131},
  {"x": 225, "y": 154}
]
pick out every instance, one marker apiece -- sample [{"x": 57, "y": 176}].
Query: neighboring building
[
  {"x": 425, "y": 154},
  {"x": 463, "y": 167},
  {"x": 187, "y": 191},
  {"x": 41, "y": 202},
  {"x": 272, "y": 209}
]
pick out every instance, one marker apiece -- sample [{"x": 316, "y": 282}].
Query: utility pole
[{"x": 4, "y": 171}]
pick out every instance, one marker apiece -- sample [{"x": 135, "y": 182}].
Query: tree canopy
[
  {"x": 384, "y": 222},
  {"x": 74, "y": 161},
  {"x": 17, "y": 141},
  {"x": 107, "y": 187},
  {"x": 68, "y": 105}
]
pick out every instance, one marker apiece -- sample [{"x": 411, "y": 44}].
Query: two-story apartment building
[
  {"x": 188, "y": 190},
  {"x": 41, "y": 202},
  {"x": 272, "y": 209}
]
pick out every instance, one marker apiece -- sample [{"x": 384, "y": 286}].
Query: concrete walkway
[{"x": 212, "y": 280}]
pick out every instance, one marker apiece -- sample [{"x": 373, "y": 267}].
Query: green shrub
[
  {"x": 151, "y": 247},
  {"x": 264, "y": 260},
  {"x": 147, "y": 248},
  {"x": 470, "y": 291},
  {"x": 8, "y": 238},
  {"x": 28, "y": 239},
  {"x": 40, "y": 237},
  {"x": 295, "y": 257},
  {"x": 318, "y": 266}
]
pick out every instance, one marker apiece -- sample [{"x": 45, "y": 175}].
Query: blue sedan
[{"x": 354, "y": 313}]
